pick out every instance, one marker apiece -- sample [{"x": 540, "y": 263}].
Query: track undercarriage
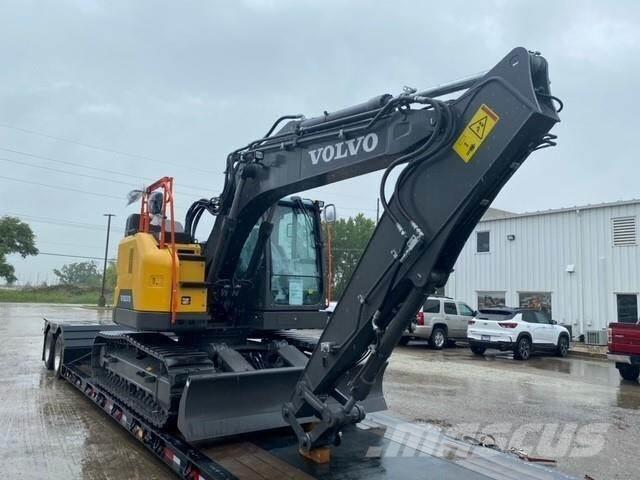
[{"x": 208, "y": 387}]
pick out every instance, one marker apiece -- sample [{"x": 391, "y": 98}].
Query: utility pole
[
  {"x": 101, "y": 301},
  {"x": 377, "y": 210}
]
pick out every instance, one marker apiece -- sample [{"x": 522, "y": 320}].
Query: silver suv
[{"x": 440, "y": 320}]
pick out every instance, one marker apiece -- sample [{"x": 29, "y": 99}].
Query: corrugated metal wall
[{"x": 536, "y": 261}]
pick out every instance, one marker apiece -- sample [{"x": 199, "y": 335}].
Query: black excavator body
[{"x": 222, "y": 349}]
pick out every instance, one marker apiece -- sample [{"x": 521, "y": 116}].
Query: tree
[
  {"x": 15, "y": 237},
  {"x": 111, "y": 277},
  {"x": 79, "y": 273},
  {"x": 348, "y": 241}
]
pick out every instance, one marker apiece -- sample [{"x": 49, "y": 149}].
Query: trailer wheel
[
  {"x": 58, "y": 356},
  {"x": 49, "y": 349}
]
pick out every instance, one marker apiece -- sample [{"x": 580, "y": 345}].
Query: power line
[
  {"x": 69, "y": 189},
  {"x": 97, "y": 147},
  {"x": 354, "y": 209},
  {"x": 58, "y": 222},
  {"x": 58, "y": 187},
  {"x": 74, "y": 256},
  {"x": 66, "y": 172},
  {"x": 97, "y": 169},
  {"x": 66, "y": 244}
]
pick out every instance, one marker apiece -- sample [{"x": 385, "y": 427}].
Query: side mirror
[
  {"x": 553, "y": 322},
  {"x": 329, "y": 213},
  {"x": 475, "y": 313}
]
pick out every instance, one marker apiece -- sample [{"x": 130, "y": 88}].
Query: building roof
[{"x": 497, "y": 214}]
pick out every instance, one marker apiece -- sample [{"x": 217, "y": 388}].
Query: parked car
[
  {"x": 521, "y": 330},
  {"x": 441, "y": 320},
  {"x": 624, "y": 349}
]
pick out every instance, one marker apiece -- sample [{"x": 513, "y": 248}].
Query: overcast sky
[{"x": 169, "y": 88}]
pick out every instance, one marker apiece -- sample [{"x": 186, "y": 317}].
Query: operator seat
[{"x": 133, "y": 226}]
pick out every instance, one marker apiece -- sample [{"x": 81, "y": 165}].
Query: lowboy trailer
[{"x": 382, "y": 446}]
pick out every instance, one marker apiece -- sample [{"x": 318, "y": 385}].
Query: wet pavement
[
  {"x": 575, "y": 410},
  {"x": 47, "y": 428}
]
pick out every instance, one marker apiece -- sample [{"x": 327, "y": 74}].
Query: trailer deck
[{"x": 382, "y": 446}]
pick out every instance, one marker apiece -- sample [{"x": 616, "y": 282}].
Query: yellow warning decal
[{"x": 475, "y": 133}]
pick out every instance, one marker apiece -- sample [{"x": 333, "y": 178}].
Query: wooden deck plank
[
  {"x": 261, "y": 467},
  {"x": 240, "y": 470},
  {"x": 290, "y": 471},
  {"x": 248, "y": 461}
]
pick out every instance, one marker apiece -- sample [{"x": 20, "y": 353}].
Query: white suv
[
  {"x": 440, "y": 320},
  {"x": 522, "y": 330}
]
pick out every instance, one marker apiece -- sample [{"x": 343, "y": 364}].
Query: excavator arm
[{"x": 457, "y": 155}]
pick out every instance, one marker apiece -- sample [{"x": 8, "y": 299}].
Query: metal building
[{"x": 581, "y": 264}]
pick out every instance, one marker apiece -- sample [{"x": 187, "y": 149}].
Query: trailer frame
[{"x": 184, "y": 460}]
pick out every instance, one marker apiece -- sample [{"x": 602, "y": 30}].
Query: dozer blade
[{"x": 223, "y": 404}]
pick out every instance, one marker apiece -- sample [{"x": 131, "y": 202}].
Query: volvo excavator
[{"x": 214, "y": 337}]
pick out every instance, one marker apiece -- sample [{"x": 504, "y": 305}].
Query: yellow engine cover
[{"x": 144, "y": 276}]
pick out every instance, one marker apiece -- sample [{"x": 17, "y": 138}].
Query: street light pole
[{"x": 101, "y": 301}]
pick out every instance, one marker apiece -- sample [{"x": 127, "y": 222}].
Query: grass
[{"x": 54, "y": 294}]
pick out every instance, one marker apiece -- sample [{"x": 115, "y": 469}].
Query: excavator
[{"x": 214, "y": 338}]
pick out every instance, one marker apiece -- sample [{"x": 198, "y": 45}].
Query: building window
[
  {"x": 536, "y": 300},
  {"x": 482, "y": 242},
  {"x": 624, "y": 231},
  {"x": 627, "y": 307},
  {"x": 491, "y": 299}
]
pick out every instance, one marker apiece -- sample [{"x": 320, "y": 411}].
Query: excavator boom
[
  {"x": 457, "y": 154},
  {"x": 480, "y": 140}
]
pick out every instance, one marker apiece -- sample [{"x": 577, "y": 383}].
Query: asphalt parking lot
[
  {"x": 573, "y": 410},
  {"x": 576, "y": 411}
]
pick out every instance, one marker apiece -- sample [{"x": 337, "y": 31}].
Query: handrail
[{"x": 166, "y": 185}]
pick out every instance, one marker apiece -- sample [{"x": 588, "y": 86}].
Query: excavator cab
[
  {"x": 284, "y": 269},
  {"x": 161, "y": 271}
]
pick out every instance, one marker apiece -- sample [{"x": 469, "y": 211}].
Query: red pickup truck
[{"x": 624, "y": 349}]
